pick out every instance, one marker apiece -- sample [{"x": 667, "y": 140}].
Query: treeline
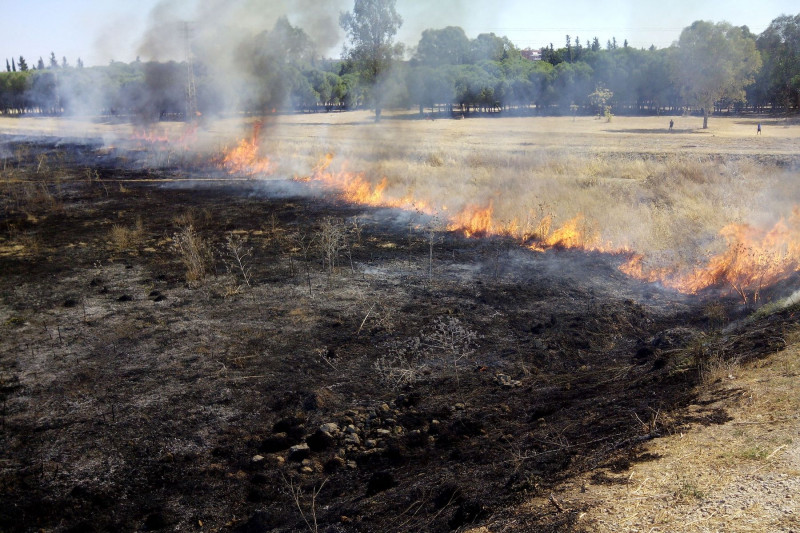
[{"x": 278, "y": 70}]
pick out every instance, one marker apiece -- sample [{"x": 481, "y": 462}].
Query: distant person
[
  {"x": 758, "y": 130},
  {"x": 671, "y": 123}
]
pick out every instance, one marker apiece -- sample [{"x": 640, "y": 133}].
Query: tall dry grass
[{"x": 642, "y": 192}]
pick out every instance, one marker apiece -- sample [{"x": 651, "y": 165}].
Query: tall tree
[
  {"x": 569, "y": 49},
  {"x": 22, "y": 64},
  {"x": 13, "y": 65},
  {"x": 64, "y": 62},
  {"x": 371, "y": 28},
  {"x": 779, "y": 44},
  {"x": 53, "y": 60},
  {"x": 79, "y": 63},
  {"x": 715, "y": 61},
  {"x": 448, "y": 46},
  {"x": 40, "y": 64},
  {"x": 8, "y": 66}
]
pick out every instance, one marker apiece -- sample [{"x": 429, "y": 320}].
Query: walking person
[
  {"x": 758, "y": 131},
  {"x": 671, "y": 123}
]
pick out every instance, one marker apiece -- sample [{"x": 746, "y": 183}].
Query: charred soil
[{"x": 348, "y": 369}]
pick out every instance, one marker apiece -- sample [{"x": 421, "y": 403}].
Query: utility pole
[{"x": 191, "y": 87}]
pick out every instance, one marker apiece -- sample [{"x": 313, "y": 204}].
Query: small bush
[{"x": 194, "y": 253}]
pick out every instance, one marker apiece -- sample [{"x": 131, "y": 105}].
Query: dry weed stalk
[
  {"x": 303, "y": 244},
  {"x": 332, "y": 241},
  {"x": 296, "y": 493},
  {"x": 238, "y": 255},
  {"x": 194, "y": 253}
]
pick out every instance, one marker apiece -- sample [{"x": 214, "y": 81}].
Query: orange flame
[
  {"x": 752, "y": 259},
  {"x": 474, "y": 221},
  {"x": 150, "y": 136},
  {"x": 355, "y": 187},
  {"x": 153, "y": 137},
  {"x": 245, "y": 158}
]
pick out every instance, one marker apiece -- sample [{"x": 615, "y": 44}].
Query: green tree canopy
[
  {"x": 447, "y": 46},
  {"x": 779, "y": 44},
  {"x": 715, "y": 61},
  {"x": 371, "y": 28}
]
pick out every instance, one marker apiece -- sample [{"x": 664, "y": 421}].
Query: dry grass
[
  {"x": 127, "y": 239},
  {"x": 636, "y": 185},
  {"x": 194, "y": 252},
  {"x": 743, "y": 475}
]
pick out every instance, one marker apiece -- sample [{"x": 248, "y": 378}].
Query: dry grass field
[
  {"x": 629, "y": 184},
  {"x": 485, "y": 308}
]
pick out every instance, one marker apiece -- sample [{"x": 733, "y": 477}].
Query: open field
[{"x": 407, "y": 326}]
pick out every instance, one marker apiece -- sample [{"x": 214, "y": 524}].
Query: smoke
[
  {"x": 217, "y": 28},
  {"x": 794, "y": 299},
  {"x": 241, "y": 48}
]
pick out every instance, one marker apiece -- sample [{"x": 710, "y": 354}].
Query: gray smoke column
[
  {"x": 219, "y": 25},
  {"x": 228, "y": 41}
]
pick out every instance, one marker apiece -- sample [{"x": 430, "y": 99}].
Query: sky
[{"x": 98, "y": 31}]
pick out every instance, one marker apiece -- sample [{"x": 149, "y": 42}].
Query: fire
[
  {"x": 245, "y": 158},
  {"x": 474, "y": 221},
  {"x": 150, "y": 136},
  {"x": 153, "y": 137},
  {"x": 575, "y": 233},
  {"x": 751, "y": 259},
  {"x": 355, "y": 187}
]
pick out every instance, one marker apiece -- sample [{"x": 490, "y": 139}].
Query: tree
[
  {"x": 8, "y": 66},
  {"x": 490, "y": 46},
  {"x": 40, "y": 64},
  {"x": 64, "y": 62},
  {"x": 569, "y": 49},
  {"x": 53, "y": 60},
  {"x": 599, "y": 99},
  {"x": 13, "y": 65},
  {"x": 371, "y": 28},
  {"x": 779, "y": 44},
  {"x": 448, "y": 46},
  {"x": 22, "y": 64},
  {"x": 79, "y": 63},
  {"x": 715, "y": 61}
]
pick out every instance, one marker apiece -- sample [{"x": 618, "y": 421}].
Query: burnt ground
[{"x": 377, "y": 393}]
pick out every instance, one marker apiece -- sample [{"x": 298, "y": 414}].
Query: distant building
[{"x": 531, "y": 55}]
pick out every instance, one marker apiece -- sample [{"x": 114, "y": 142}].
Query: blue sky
[{"x": 98, "y": 31}]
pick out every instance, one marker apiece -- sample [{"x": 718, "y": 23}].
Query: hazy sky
[{"x": 100, "y": 30}]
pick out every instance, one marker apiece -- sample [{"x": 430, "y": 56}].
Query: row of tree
[
  {"x": 22, "y": 64},
  {"x": 711, "y": 67}
]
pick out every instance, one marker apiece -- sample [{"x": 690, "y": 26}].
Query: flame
[
  {"x": 150, "y": 136},
  {"x": 473, "y": 221},
  {"x": 161, "y": 139},
  {"x": 751, "y": 259},
  {"x": 354, "y": 187},
  {"x": 245, "y": 158}
]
